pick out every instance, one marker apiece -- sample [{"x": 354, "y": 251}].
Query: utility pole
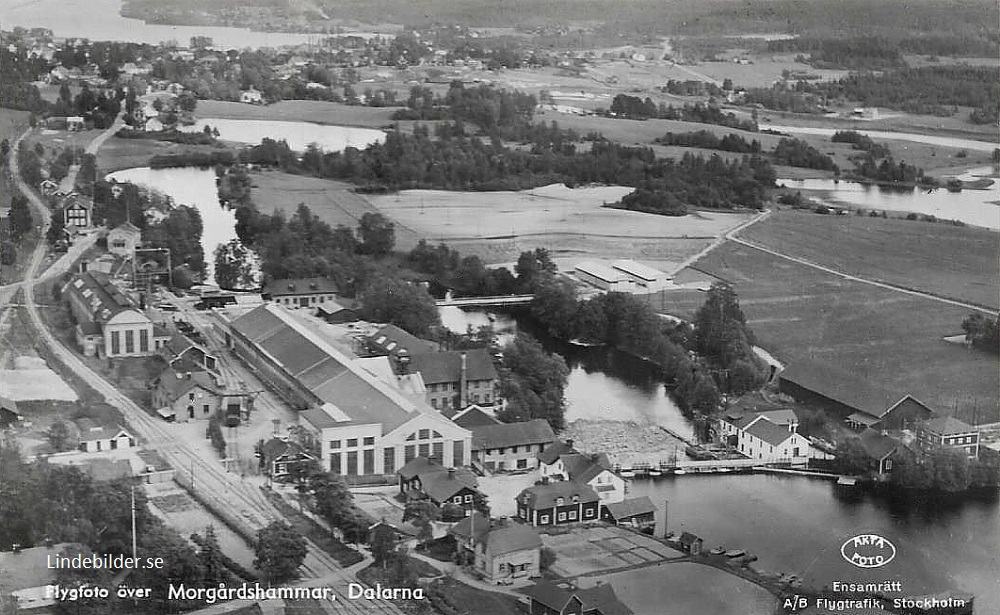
[{"x": 134, "y": 547}]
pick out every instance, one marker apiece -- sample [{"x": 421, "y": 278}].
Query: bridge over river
[{"x": 495, "y": 301}]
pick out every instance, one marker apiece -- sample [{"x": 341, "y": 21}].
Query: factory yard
[
  {"x": 571, "y": 223},
  {"x": 625, "y": 442}
]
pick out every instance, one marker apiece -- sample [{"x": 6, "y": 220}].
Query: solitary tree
[
  {"x": 58, "y": 436},
  {"x": 377, "y": 233}
]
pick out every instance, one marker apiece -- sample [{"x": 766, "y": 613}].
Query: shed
[
  {"x": 633, "y": 511},
  {"x": 691, "y": 543}
]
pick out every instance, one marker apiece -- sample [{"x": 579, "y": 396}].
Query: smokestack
[{"x": 451, "y": 473}]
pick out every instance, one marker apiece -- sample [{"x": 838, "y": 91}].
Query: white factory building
[
  {"x": 603, "y": 277},
  {"x": 643, "y": 277}
]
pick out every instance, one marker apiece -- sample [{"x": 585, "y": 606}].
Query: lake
[
  {"x": 796, "y": 524},
  {"x": 100, "y": 20},
  {"x": 793, "y": 524},
  {"x": 298, "y": 135},
  {"x": 976, "y": 207},
  {"x": 195, "y": 187}
]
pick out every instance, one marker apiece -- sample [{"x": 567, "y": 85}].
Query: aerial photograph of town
[{"x": 499, "y": 307}]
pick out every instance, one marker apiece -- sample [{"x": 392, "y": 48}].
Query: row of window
[
  {"x": 527, "y": 448},
  {"x": 458, "y": 499},
  {"x": 116, "y": 341},
  {"x": 962, "y": 440},
  {"x": 302, "y": 301},
  {"x": 352, "y": 443},
  {"x": 588, "y": 513}
]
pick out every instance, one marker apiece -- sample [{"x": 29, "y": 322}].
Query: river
[
  {"x": 100, "y": 20},
  {"x": 975, "y": 207},
  {"x": 793, "y": 524}
]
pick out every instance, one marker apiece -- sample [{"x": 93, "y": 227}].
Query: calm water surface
[{"x": 298, "y": 134}]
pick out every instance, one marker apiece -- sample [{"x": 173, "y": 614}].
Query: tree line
[
  {"x": 879, "y": 52},
  {"x": 633, "y": 107},
  {"x": 706, "y": 139},
  {"x": 493, "y": 111}
]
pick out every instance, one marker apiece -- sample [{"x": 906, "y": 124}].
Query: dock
[{"x": 791, "y": 465}]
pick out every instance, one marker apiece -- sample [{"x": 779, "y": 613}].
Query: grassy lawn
[
  {"x": 316, "y": 111},
  {"x": 958, "y": 262},
  {"x": 117, "y": 154},
  {"x": 344, "y": 555},
  {"x": 881, "y": 335}
]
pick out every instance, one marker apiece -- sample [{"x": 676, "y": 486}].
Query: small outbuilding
[{"x": 691, "y": 543}]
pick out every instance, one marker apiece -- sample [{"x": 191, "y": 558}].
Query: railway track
[{"x": 212, "y": 483}]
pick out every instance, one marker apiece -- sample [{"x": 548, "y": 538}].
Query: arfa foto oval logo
[{"x": 868, "y": 551}]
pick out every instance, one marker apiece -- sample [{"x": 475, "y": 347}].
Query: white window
[
  {"x": 468, "y": 498},
  {"x": 572, "y": 515},
  {"x": 562, "y": 516},
  {"x": 588, "y": 512},
  {"x": 544, "y": 519},
  {"x": 457, "y": 499}
]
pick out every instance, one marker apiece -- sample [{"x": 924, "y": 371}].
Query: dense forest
[
  {"x": 879, "y": 52},
  {"x": 861, "y": 142},
  {"x": 709, "y": 140},
  {"x": 495, "y": 112},
  {"x": 798, "y": 153},
  {"x": 633, "y": 107},
  {"x": 933, "y": 90}
]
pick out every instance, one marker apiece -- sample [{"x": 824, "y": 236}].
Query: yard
[
  {"x": 882, "y": 335},
  {"x": 598, "y": 549},
  {"x": 570, "y": 223}
]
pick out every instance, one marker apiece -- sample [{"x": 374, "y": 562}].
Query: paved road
[{"x": 243, "y": 500}]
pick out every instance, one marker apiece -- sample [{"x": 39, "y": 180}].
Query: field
[
  {"x": 950, "y": 261},
  {"x": 332, "y": 201},
  {"x": 497, "y": 226},
  {"x": 316, "y": 111},
  {"x": 118, "y": 154},
  {"x": 881, "y": 335}
]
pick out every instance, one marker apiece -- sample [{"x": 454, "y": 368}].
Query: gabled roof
[
  {"x": 8, "y": 404},
  {"x": 299, "y": 286},
  {"x": 103, "y": 298},
  {"x": 90, "y": 431},
  {"x": 631, "y": 507},
  {"x": 177, "y": 384},
  {"x": 438, "y": 482},
  {"x": 440, "y": 367},
  {"x": 769, "y": 432},
  {"x": 329, "y": 374},
  {"x": 540, "y": 497},
  {"x": 601, "y": 271},
  {"x": 948, "y": 426},
  {"x": 552, "y": 452},
  {"x": 504, "y": 435},
  {"x": 126, "y": 227},
  {"x": 512, "y": 537},
  {"x": 876, "y": 445},
  {"x": 390, "y": 339},
  {"x": 688, "y": 539},
  {"x": 638, "y": 270},
  {"x": 599, "y": 599},
  {"x": 584, "y": 468},
  {"x": 477, "y": 522},
  {"x": 841, "y": 386},
  {"x": 470, "y": 418},
  {"x": 275, "y": 448}
]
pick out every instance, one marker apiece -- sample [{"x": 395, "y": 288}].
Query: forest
[
  {"x": 880, "y": 52},
  {"x": 633, "y": 107},
  {"x": 709, "y": 140}
]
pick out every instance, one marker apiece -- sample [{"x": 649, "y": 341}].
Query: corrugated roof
[
  {"x": 439, "y": 367},
  {"x": 631, "y": 507},
  {"x": 504, "y": 435},
  {"x": 769, "y": 432},
  {"x": 328, "y": 373},
  {"x": 541, "y": 497}
]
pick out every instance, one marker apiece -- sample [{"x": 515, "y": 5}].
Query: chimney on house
[
  {"x": 451, "y": 473},
  {"x": 403, "y": 361},
  {"x": 313, "y": 286},
  {"x": 463, "y": 379}
]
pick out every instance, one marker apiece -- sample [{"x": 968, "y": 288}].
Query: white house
[
  {"x": 252, "y": 97},
  {"x": 560, "y": 461},
  {"x": 644, "y": 278},
  {"x": 357, "y": 423},
  {"x": 98, "y": 438},
  {"x": 603, "y": 277},
  {"x": 124, "y": 239},
  {"x": 762, "y": 439}
]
